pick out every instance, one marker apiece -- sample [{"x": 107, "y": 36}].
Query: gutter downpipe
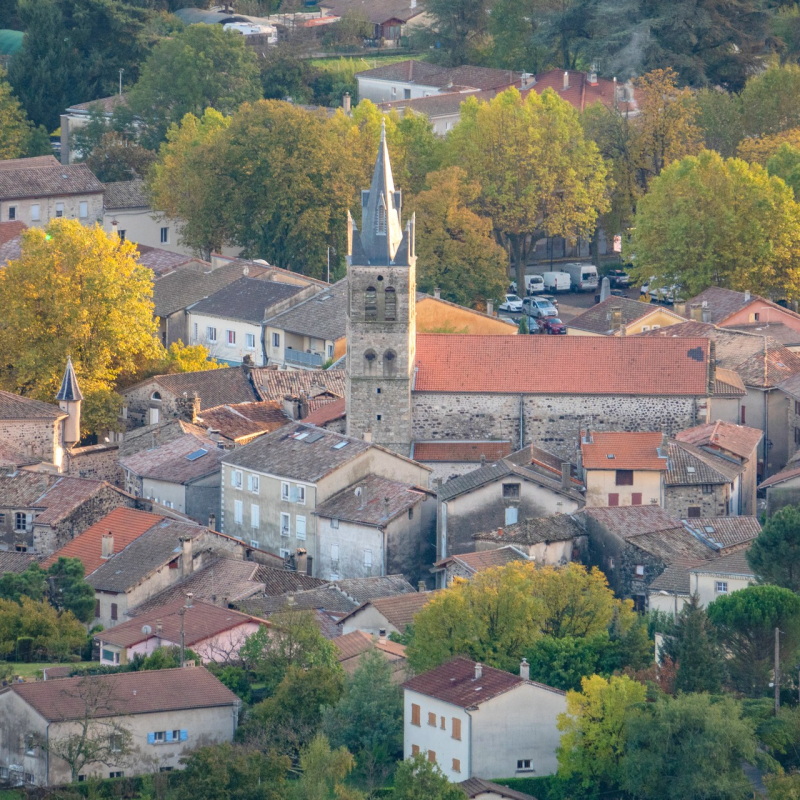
[{"x": 521, "y": 421}]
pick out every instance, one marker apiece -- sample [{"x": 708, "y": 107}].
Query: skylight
[
  {"x": 610, "y": 455},
  {"x": 197, "y": 454},
  {"x": 709, "y": 529},
  {"x": 315, "y": 437},
  {"x": 340, "y": 445},
  {"x": 302, "y": 435}
]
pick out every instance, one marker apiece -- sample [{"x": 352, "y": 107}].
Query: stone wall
[
  {"x": 98, "y": 462},
  {"x": 138, "y": 400},
  {"x": 41, "y": 438},
  {"x": 678, "y": 500}
]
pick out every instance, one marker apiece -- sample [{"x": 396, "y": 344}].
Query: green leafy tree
[
  {"x": 458, "y": 31},
  {"x": 746, "y": 622},
  {"x": 779, "y": 734},
  {"x": 782, "y": 786},
  {"x": 539, "y": 175},
  {"x": 689, "y": 746},
  {"x": 416, "y": 777},
  {"x": 202, "y": 66},
  {"x": 323, "y": 771},
  {"x": 235, "y": 678},
  {"x": 69, "y": 590},
  {"x": 17, "y": 135},
  {"x": 785, "y": 164},
  {"x": 30, "y": 583},
  {"x": 775, "y": 555},
  {"x": 118, "y": 159},
  {"x": 593, "y": 744},
  {"x": 719, "y": 116},
  {"x": 713, "y": 222},
  {"x": 368, "y": 720},
  {"x": 50, "y": 634},
  {"x": 455, "y": 247},
  {"x": 771, "y": 101}
]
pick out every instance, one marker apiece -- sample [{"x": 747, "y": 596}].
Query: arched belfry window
[
  {"x": 381, "y": 221},
  {"x": 370, "y": 304},
  {"x": 371, "y": 357},
  {"x": 390, "y": 304},
  {"x": 389, "y": 362}
]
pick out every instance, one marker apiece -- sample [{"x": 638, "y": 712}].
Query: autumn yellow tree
[
  {"x": 760, "y": 149},
  {"x": 538, "y": 174},
  {"x": 75, "y": 291}
]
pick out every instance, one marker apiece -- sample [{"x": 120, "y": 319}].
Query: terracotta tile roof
[
  {"x": 245, "y": 299},
  {"x": 623, "y": 450},
  {"x": 469, "y": 451},
  {"x": 125, "y": 524},
  {"x": 400, "y": 610},
  {"x": 788, "y": 337},
  {"x": 597, "y": 319},
  {"x": 125, "y": 194},
  {"x": 323, "y": 316},
  {"x": 162, "y": 262},
  {"x": 362, "y": 590},
  {"x": 484, "y": 559},
  {"x": 355, "y": 643},
  {"x": 728, "y": 382},
  {"x": 561, "y": 365},
  {"x": 244, "y": 421},
  {"x": 58, "y": 181},
  {"x": 538, "y": 460},
  {"x": 781, "y": 477},
  {"x": 10, "y": 230},
  {"x": 327, "y": 597},
  {"x": 327, "y": 412},
  {"x": 144, "y": 692},
  {"x": 28, "y": 163},
  {"x": 65, "y": 495},
  {"x": 15, "y": 562},
  {"x": 439, "y": 105},
  {"x": 722, "y": 303},
  {"x": 724, "y": 531},
  {"x": 455, "y": 682},
  {"x": 731, "y": 564},
  {"x": 201, "y": 621},
  {"x": 535, "y": 530},
  {"x": 24, "y": 488},
  {"x": 630, "y": 521},
  {"x": 328, "y": 623},
  {"x": 407, "y": 71},
  {"x": 214, "y": 387},
  {"x": 171, "y": 462},
  {"x": 737, "y": 439},
  {"x": 477, "y": 787},
  {"x": 371, "y": 506},
  {"x": 580, "y": 93},
  {"x": 276, "y": 384},
  {"x": 15, "y": 406},
  {"x": 675, "y": 577},
  {"x": 690, "y": 465}
]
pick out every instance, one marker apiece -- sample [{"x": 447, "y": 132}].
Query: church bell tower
[{"x": 381, "y": 325}]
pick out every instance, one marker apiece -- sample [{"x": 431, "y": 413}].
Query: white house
[{"x": 474, "y": 720}]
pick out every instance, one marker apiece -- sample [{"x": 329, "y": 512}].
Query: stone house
[
  {"x": 272, "y": 487},
  {"x": 549, "y": 541},
  {"x": 164, "y": 714},
  {"x": 380, "y": 527},
  {"x": 388, "y": 614},
  {"x": 78, "y": 115},
  {"x": 38, "y": 190},
  {"x": 471, "y": 719},
  {"x": 390, "y": 20},
  {"x": 622, "y": 316},
  {"x": 467, "y": 565},
  {"x": 449, "y": 459}
]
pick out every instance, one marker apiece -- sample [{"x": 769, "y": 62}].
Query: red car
[{"x": 552, "y": 325}]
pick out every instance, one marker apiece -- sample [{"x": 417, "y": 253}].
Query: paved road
[{"x": 571, "y": 304}]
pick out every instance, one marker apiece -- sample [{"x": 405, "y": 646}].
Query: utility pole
[
  {"x": 777, "y": 670},
  {"x": 183, "y": 636},
  {"x": 120, "y": 81}
]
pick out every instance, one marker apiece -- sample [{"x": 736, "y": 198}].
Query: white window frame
[
  {"x": 285, "y": 553},
  {"x": 238, "y": 512},
  {"x": 165, "y": 235},
  {"x": 330, "y": 351},
  {"x": 334, "y": 552},
  {"x": 230, "y": 338},
  {"x": 639, "y": 571},
  {"x": 276, "y": 339},
  {"x": 211, "y": 334},
  {"x": 368, "y": 558},
  {"x": 285, "y": 494},
  {"x": 253, "y": 484},
  {"x": 248, "y": 338},
  {"x": 195, "y": 332},
  {"x": 254, "y": 543},
  {"x": 236, "y": 478},
  {"x": 301, "y": 494},
  {"x": 36, "y": 213},
  {"x": 300, "y": 526},
  {"x": 12, "y": 213},
  {"x": 723, "y": 585},
  {"x": 255, "y": 515},
  {"x": 59, "y": 209},
  {"x": 286, "y": 524},
  {"x": 83, "y": 209},
  {"x": 334, "y": 576}
]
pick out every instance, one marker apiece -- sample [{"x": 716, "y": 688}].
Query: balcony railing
[{"x": 312, "y": 360}]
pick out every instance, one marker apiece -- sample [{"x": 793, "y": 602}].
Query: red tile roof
[
  {"x": 561, "y": 365},
  {"x": 622, "y": 450},
  {"x": 399, "y": 610},
  {"x": 125, "y": 524},
  {"x": 737, "y": 439},
  {"x": 484, "y": 559},
  {"x": 357, "y": 642},
  {"x": 460, "y": 451},
  {"x": 327, "y": 412},
  {"x": 780, "y": 477},
  {"x": 10, "y": 230},
  {"x": 580, "y": 93}
]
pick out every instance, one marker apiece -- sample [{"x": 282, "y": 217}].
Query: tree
[
  {"x": 322, "y": 771},
  {"x": 75, "y": 291},
  {"x": 719, "y": 117},
  {"x": 201, "y": 67},
  {"x": 458, "y": 30},
  {"x": 746, "y": 622},
  {"x": 455, "y": 248},
  {"x": 68, "y": 589},
  {"x": 416, "y": 777},
  {"x": 770, "y": 101},
  {"x": 693, "y": 647},
  {"x": 538, "y": 174},
  {"x": 782, "y": 786},
  {"x": 118, "y": 159},
  {"x": 592, "y": 750},
  {"x": 689, "y": 746},
  {"x": 713, "y": 222},
  {"x": 775, "y": 555},
  {"x": 16, "y": 131},
  {"x": 96, "y": 736},
  {"x": 368, "y": 720},
  {"x": 232, "y": 772}
]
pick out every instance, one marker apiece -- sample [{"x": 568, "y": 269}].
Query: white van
[
  {"x": 584, "y": 276},
  {"x": 534, "y": 284},
  {"x": 556, "y": 281}
]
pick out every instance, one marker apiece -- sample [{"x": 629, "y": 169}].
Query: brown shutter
[
  {"x": 414, "y": 714},
  {"x": 457, "y": 729},
  {"x": 432, "y": 756}
]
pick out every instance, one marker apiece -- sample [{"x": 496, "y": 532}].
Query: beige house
[
  {"x": 388, "y": 614},
  {"x": 549, "y": 541},
  {"x": 622, "y": 316},
  {"x": 150, "y": 719}
]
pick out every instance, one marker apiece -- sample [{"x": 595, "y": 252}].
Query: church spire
[{"x": 381, "y": 230}]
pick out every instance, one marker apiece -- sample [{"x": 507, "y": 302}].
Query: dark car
[
  {"x": 618, "y": 277},
  {"x": 552, "y": 325}
]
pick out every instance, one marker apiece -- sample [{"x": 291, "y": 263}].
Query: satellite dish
[
  {"x": 358, "y": 491},
  {"x": 146, "y": 630}
]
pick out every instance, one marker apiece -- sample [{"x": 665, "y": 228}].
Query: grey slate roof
[
  {"x": 69, "y": 391},
  {"x": 730, "y": 564},
  {"x": 245, "y": 299},
  {"x": 689, "y": 465},
  {"x": 725, "y": 531},
  {"x": 274, "y": 384},
  {"x": 28, "y": 163},
  {"x": 171, "y": 463},
  {"x": 475, "y": 787},
  {"x": 125, "y": 194},
  {"x": 323, "y": 316},
  {"x": 15, "y": 406},
  {"x": 597, "y": 318},
  {"x": 214, "y": 387},
  {"x": 57, "y": 181},
  {"x": 362, "y": 590},
  {"x": 325, "y": 597},
  {"x": 535, "y": 530},
  {"x": 303, "y": 459}
]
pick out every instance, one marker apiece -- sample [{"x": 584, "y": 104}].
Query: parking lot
[{"x": 571, "y": 304}]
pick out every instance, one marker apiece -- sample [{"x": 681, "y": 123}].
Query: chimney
[
  {"x": 346, "y": 103},
  {"x": 593, "y": 75},
  {"x": 114, "y": 228},
  {"x": 212, "y": 521},
  {"x": 302, "y": 560},
  {"x": 747, "y": 295},
  {"x": 302, "y": 409},
  {"x": 159, "y": 627},
  {"x": 187, "y": 564},
  {"x": 525, "y": 670},
  {"x": 706, "y": 313},
  {"x": 696, "y": 313},
  {"x": 189, "y": 599},
  {"x": 616, "y": 318},
  {"x": 566, "y": 80},
  {"x": 499, "y": 531},
  {"x": 225, "y": 601},
  {"x": 382, "y": 636},
  {"x": 623, "y": 329},
  {"x": 679, "y": 309},
  {"x": 605, "y": 289},
  {"x": 483, "y": 459},
  {"x": 291, "y": 406},
  {"x": 490, "y": 308},
  {"x": 437, "y": 293},
  {"x": 247, "y": 368},
  {"x": 386, "y": 508},
  {"x": 421, "y": 586},
  {"x": 107, "y": 545},
  {"x": 566, "y": 474},
  {"x": 527, "y": 80},
  {"x": 478, "y": 671},
  {"x": 712, "y": 365}
]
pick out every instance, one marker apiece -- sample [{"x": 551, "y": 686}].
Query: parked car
[
  {"x": 512, "y": 303},
  {"x": 557, "y": 281},
  {"x": 539, "y": 307},
  {"x": 534, "y": 284},
  {"x": 583, "y": 276},
  {"x": 551, "y": 297},
  {"x": 552, "y": 325},
  {"x": 618, "y": 277}
]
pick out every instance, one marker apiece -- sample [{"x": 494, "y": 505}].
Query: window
[
  {"x": 194, "y": 332},
  {"x": 329, "y": 351},
  {"x": 708, "y": 488},
  {"x": 116, "y": 742},
  {"x": 456, "y": 765},
  {"x": 645, "y": 328},
  {"x": 59, "y": 209},
  {"x": 113, "y": 611},
  {"x": 755, "y": 317},
  {"x": 797, "y": 407},
  {"x": 722, "y": 587},
  {"x": 253, "y": 484},
  {"x": 390, "y": 304},
  {"x": 301, "y": 495},
  {"x": 411, "y": 513},
  {"x": 121, "y": 235},
  {"x": 624, "y": 477},
  {"x": 255, "y": 543},
  {"x": 512, "y": 515},
  {"x": 797, "y": 436},
  {"x": 236, "y": 478},
  {"x": 111, "y": 655},
  {"x": 83, "y": 209},
  {"x": 230, "y": 337},
  {"x": 370, "y": 304},
  {"x": 394, "y": 92},
  {"x": 165, "y": 236},
  {"x": 238, "y": 511},
  {"x": 613, "y": 499},
  {"x": 155, "y": 415},
  {"x": 30, "y": 745},
  {"x": 211, "y": 334},
  {"x": 694, "y": 511},
  {"x": 406, "y": 94},
  {"x": 636, "y": 498},
  {"x": 21, "y": 548},
  {"x": 81, "y": 778},
  {"x": 442, "y": 723},
  {"x": 368, "y": 558},
  {"x": 117, "y": 774},
  {"x": 414, "y": 749},
  {"x": 415, "y": 716},
  {"x": 511, "y": 491},
  {"x": 639, "y": 570},
  {"x": 335, "y": 524},
  {"x": 284, "y": 491},
  {"x": 20, "y": 521},
  {"x": 159, "y": 736},
  {"x": 523, "y": 764},
  {"x": 432, "y": 756},
  {"x": 285, "y": 553},
  {"x": 432, "y": 719},
  {"x": 379, "y": 417},
  {"x": 255, "y": 512},
  {"x": 35, "y": 212},
  {"x": 381, "y": 218},
  {"x": 335, "y": 553},
  {"x": 285, "y": 523},
  {"x": 250, "y": 341},
  {"x": 300, "y": 527},
  {"x": 334, "y": 576},
  {"x": 743, "y": 416},
  {"x": 12, "y": 213}
]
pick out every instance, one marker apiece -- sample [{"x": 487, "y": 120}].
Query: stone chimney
[
  {"x": 437, "y": 293},
  {"x": 159, "y": 627},
  {"x": 187, "y": 563},
  {"x": 302, "y": 560},
  {"x": 483, "y": 459},
  {"x": 291, "y": 406},
  {"x": 382, "y": 636},
  {"x": 346, "y": 103},
  {"x": 696, "y": 313},
  {"x": 527, "y": 80},
  {"x": 386, "y": 508},
  {"x": 566, "y": 80},
  {"x": 525, "y": 670},
  {"x": 421, "y": 586},
  {"x": 247, "y": 365},
  {"x": 189, "y": 599},
  {"x": 623, "y": 329},
  {"x": 679, "y": 309},
  {"x": 706, "y": 312},
  {"x": 616, "y": 318},
  {"x": 747, "y": 295},
  {"x": 478, "y": 671},
  {"x": 499, "y": 531},
  {"x": 490, "y": 308},
  {"x": 566, "y": 474},
  {"x": 593, "y": 75},
  {"x": 212, "y": 521},
  {"x": 189, "y": 407},
  {"x": 107, "y": 545}
]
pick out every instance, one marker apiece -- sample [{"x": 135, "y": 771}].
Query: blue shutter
[
  {"x": 184, "y": 735},
  {"x": 293, "y": 494},
  {"x": 169, "y": 736},
  {"x": 151, "y": 738}
]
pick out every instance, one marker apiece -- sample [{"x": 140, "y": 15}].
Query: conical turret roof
[{"x": 69, "y": 391}]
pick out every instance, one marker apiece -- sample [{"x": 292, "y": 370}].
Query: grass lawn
[
  {"x": 363, "y": 62},
  {"x": 29, "y": 671}
]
